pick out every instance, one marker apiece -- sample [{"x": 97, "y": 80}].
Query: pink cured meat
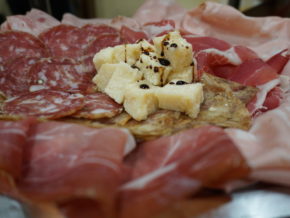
[
  {"x": 34, "y": 22},
  {"x": 48, "y": 104},
  {"x": 13, "y": 139},
  {"x": 65, "y": 41},
  {"x": 82, "y": 163},
  {"x": 170, "y": 168},
  {"x": 15, "y": 80},
  {"x": 19, "y": 44},
  {"x": 131, "y": 36},
  {"x": 98, "y": 105},
  {"x": 60, "y": 74},
  {"x": 103, "y": 41},
  {"x": 70, "y": 41}
]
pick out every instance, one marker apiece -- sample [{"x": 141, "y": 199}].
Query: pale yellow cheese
[
  {"x": 120, "y": 76},
  {"x": 140, "y": 102},
  {"x": 153, "y": 71},
  {"x": 184, "y": 98},
  {"x": 178, "y": 52}
]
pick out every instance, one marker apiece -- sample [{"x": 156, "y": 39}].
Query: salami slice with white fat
[
  {"x": 15, "y": 79},
  {"x": 20, "y": 44},
  {"x": 47, "y": 104},
  {"x": 59, "y": 74},
  {"x": 103, "y": 41},
  {"x": 64, "y": 41},
  {"x": 98, "y": 105}
]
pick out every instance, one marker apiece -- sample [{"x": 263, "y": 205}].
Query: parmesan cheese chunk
[
  {"x": 114, "y": 78},
  {"x": 184, "y": 97},
  {"x": 140, "y": 100}
]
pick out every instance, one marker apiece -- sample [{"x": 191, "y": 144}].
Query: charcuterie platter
[{"x": 127, "y": 117}]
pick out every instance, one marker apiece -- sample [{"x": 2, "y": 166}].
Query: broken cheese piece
[
  {"x": 184, "y": 97},
  {"x": 140, "y": 100}
]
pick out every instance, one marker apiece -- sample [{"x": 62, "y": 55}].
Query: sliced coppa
[
  {"x": 45, "y": 104},
  {"x": 15, "y": 79},
  {"x": 98, "y": 105},
  {"x": 60, "y": 74},
  {"x": 20, "y": 44}
]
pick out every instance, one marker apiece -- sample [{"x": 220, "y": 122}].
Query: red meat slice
[
  {"x": 65, "y": 41},
  {"x": 279, "y": 60},
  {"x": 13, "y": 139},
  {"x": 60, "y": 74},
  {"x": 131, "y": 36},
  {"x": 201, "y": 43},
  {"x": 253, "y": 72},
  {"x": 103, "y": 41},
  {"x": 34, "y": 22},
  {"x": 98, "y": 105},
  {"x": 19, "y": 44},
  {"x": 82, "y": 163},
  {"x": 15, "y": 79},
  {"x": 159, "y": 28},
  {"x": 48, "y": 104},
  {"x": 171, "y": 168}
]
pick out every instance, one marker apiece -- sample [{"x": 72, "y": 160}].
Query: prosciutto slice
[
  {"x": 13, "y": 139},
  {"x": 82, "y": 163},
  {"x": 170, "y": 168},
  {"x": 34, "y": 22}
]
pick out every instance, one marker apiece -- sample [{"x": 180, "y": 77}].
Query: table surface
[{"x": 257, "y": 201}]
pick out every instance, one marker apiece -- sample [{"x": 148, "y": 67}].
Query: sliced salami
[
  {"x": 47, "y": 104},
  {"x": 15, "y": 79},
  {"x": 19, "y": 44},
  {"x": 64, "y": 41},
  {"x": 60, "y": 74},
  {"x": 103, "y": 41},
  {"x": 98, "y": 105},
  {"x": 70, "y": 41}
]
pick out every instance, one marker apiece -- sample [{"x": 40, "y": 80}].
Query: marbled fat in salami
[
  {"x": 47, "y": 104},
  {"x": 103, "y": 41},
  {"x": 18, "y": 44},
  {"x": 15, "y": 79},
  {"x": 60, "y": 74},
  {"x": 98, "y": 105}
]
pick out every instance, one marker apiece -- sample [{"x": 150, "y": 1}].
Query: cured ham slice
[
  {"x": 279, "y": 60},
  {"x": 98, "y": 105},
  {"x": 82, "y": 163},
  {"x": 201, "y": 43},
  {"x": 159, "y": 28},
  {"x": 157, "y": 10},
  {"x": 18, "y": 44},
  {"x": 47, "y": 104},
  {"x": 13, "y": 139},
  {"x": 34, "y": 22},
  {"x": 170, "y": 168},
  {"x": 260, "y": 34},
  {"x": 266, "y": 146},
  {"x": 253, "y": 72}
]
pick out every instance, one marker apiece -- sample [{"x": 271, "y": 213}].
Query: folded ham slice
[
  {"x": 171, "y": 168},
  {"x": 65, "y": 161},
  {"x": 34, "y": 22}
]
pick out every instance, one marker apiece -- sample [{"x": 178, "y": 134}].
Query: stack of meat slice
[{"x": 45, "y": 72}]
